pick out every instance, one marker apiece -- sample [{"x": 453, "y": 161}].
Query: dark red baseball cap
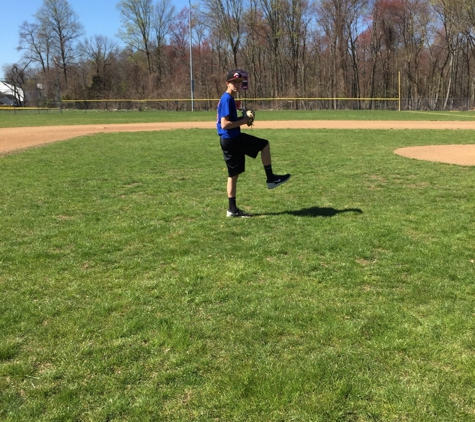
[{"x": 234, "y": 75}]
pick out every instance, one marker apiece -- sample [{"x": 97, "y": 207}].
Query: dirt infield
[{"x": 12, "y": 139}]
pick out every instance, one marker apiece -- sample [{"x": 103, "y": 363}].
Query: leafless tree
[
  {"x": 35, "y": 44},
  {"x": 273, "y": 15},
  {"x": 163, "y": 13},
  {"x": 136, "y": 18},
  {"x": 415, "y": 30},
  {"x": 101, "y": 53},
  {"x": 449, "y": 13},
  {"x": 58, "y": 19},
  {"x": 340, "y": 21},
  {"x": 16, "y": 75},
  {"x": 296, "y": 21},
  {"x": 226, "y": 18}
]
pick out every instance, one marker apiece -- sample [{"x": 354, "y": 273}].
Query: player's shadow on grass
[{"x": 315, "y": 212}]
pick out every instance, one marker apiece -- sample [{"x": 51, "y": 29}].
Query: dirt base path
[{"x": 12, "y": 139}]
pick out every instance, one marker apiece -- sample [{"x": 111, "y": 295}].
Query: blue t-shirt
[{"x": 227, "y": 107}]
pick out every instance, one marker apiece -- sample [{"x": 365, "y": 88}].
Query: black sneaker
[
  {"x": 238, "y": 213},
  {"x": 278, "y": 180}
]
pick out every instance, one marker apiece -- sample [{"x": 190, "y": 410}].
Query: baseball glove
[{"x": 250, "y": 117}]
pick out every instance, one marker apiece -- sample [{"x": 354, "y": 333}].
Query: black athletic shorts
[{"x": 236, "y": 149}]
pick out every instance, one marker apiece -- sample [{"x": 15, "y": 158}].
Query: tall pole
[
  {"x": 399, "y": 89},
  {"x": 192, "y": 83},
  {"x": 58, "y": 91}
]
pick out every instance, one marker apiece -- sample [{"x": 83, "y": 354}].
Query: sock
[
  {"x": 269, "y": 173},
  {"x": 232, "y": 204}
]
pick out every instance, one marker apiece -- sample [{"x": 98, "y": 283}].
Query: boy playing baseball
[{"x": 236, "y": 145}]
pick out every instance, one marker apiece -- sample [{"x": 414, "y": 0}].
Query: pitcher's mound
[{"x": 463, "y": 155}]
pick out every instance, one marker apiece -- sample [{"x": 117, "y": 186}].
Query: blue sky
[{"x": 99, "y": 17}]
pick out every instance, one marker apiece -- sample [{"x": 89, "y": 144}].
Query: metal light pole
[
  {"x": 192, "y": 82},
  {"x": 58, "y": 92}
]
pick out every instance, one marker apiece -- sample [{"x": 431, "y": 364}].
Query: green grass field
[
  {"x": 75, "y": 117},
  {"x": 127, "y": 295}
]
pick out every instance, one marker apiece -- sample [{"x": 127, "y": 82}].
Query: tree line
[{"x": 290, "y": 48}]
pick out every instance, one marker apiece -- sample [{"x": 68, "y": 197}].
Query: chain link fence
[{"x": 37, "y": 103}]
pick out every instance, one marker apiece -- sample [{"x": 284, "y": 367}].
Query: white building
[{"x": 11, "y": 95}]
